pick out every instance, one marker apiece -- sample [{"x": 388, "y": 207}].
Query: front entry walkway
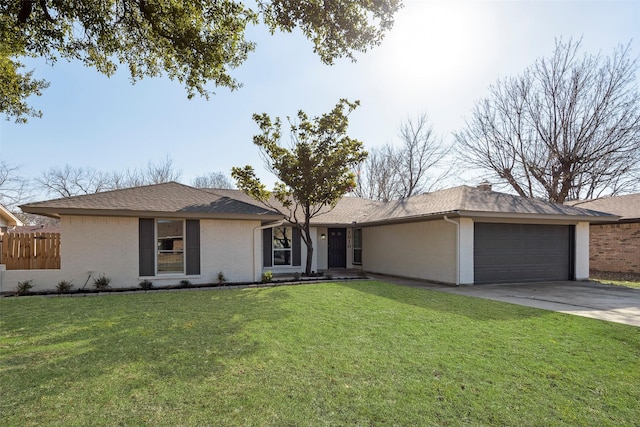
[{"x": 589, "y": 299}]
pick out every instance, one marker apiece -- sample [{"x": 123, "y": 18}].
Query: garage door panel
[{"x": 521, "y": 252}]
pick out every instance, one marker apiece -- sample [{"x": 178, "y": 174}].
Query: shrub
[
  {"x": 329, "y": 276},
  {"x": 64, "y": 286},
  {"x": 23, "y": 288},
  {"x": 101, "y": 282},
  {"x": 296, "y": 276},
  {"x": 221, "y": 278},
  {"x": 185, "y": 283},
  {"x": 146, "y": 284},
  {"x": 267, "y": 277}
]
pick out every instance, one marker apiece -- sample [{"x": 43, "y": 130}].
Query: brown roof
[
  {"x": 626, "y": 207},
  {"x": 34, "y": 229},
  {"x": 170, "y": 197},
  {"x": 346, "y": 211},
  {"x": 182, "y": 200},
  {"x": 474, "y": 201}
]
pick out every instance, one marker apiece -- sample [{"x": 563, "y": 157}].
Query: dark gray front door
[
  {"x": 337, "y": 247},
  {"x": 522, "y": 252}
]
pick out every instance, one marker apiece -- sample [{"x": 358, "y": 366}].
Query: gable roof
[
  {"x": 169, "y": 199},
  {"x": 472, "y": 201},
  {"x": 7, "y": 218},
  {"x": 626, "y": 207}
]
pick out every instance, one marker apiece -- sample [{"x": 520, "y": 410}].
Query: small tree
[{"x": 315, "y": 172}]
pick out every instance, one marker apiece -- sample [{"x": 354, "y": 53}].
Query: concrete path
[{"x": 589, "y": 299}]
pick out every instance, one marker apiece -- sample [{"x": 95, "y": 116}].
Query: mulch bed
[{"x": 610, "y": 275}]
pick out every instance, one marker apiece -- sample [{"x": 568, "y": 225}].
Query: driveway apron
[{"x": 589, "y": 299}]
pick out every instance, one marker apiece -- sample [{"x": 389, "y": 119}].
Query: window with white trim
[
  {"x": 357, "y": 246},
  {"x": 282, "y": 239},
  {"x": 170, "y": 246}
]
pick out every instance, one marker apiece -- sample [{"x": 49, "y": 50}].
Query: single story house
[
  {"x": 615, "y": 246},
  {"x": 172, "y": 232}
]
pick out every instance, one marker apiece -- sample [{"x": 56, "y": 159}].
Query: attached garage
[{"x": 523, "y": 252}]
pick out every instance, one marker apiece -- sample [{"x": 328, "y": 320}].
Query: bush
[
  {"x": 23, "y": 288},
  {"x": 296, "y": 276},
  {"x": 64, "y": 286},
  {"x": 329, "y": 276},
  {"x": 221, "y": 278},
  {"x": 267, "y": 277},
  {"x": 146, "y": 284},
  {"x": 185, "y": 283},
  {"x": 102, "y": 282}
]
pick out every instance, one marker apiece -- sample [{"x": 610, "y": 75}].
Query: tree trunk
[{"x": 309, "y": 243}]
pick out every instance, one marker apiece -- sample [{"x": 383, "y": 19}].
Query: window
[
  {"x": 170, "y": 246},
  {"x": 282, "y": 238},
  {"x": 357, "y": 246}
]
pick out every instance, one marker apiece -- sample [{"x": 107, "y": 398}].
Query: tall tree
[
  {"x": 196, "y": 42},
  {"x": 14, "y": 188},
  {"x": 567, "y": 128},
  {"x": 71, "y": 181},
  {"x": 314, "y": 172},
  {"x": 213, "y": 180},
  {"x": 412, "y": 167}
]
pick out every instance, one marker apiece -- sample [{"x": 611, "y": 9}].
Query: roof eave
[
  {"x": 56, "y": 213},
  {"x": 539, "y": 216}
]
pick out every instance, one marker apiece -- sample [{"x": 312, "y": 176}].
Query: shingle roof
[
  {"x": 181, "y": 199},
  {"x": 346, "y": 211},
  {"x": 465, "y": 199},
  {"x": 626, "y": 207},
  {"x": 169, "y": 197}
]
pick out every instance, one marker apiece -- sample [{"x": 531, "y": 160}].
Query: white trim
[{"x": 184, "y": 246}]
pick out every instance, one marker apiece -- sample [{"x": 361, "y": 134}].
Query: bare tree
[
  {"x": 414, "y": 167},
  {"x": 376, "y": 178},
  {"x": 567, "y": 128},
  {"x": 213, "y": 180},
  {"x": 68, "y": 181},
  {"x": 14, "y": 188}
]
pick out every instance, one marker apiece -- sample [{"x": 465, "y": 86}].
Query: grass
[{"x": 355, "y": 353}]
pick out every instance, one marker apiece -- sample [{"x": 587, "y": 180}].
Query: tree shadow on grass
[
  {"x": 460, "y": 305},
  {"x": 62, "y": 346}
]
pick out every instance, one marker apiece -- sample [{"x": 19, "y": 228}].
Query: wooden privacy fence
[{"x": 31, "y": 251}]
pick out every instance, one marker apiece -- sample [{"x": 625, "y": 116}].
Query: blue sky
[{"x": 439, "y": 58}]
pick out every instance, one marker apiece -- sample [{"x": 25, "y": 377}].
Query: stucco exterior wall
[
  {"x": 422, "y": 250},
  {"x": 615, "y": 247}
]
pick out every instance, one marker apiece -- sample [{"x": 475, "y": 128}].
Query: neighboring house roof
[
  {"x": 173, "y": 199},
  {"x": 169, "y": 199},
  {"x": 34, "y": 229},
  {"x": 7, "y": 218},
  {"x": 472, "y": 201},
  {"x": 626, "y": 207}
]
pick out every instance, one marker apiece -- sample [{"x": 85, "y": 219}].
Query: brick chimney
[{"x": 484, "y": 186}]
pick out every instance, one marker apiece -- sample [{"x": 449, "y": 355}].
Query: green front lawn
[{"x": 352, "y": 353}]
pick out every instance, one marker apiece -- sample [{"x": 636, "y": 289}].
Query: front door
[{"x": 337, "y": 247}]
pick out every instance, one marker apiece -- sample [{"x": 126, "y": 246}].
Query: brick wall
[{"x": 615, "y": 247}]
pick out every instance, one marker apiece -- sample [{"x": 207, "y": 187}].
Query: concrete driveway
[{"x": 589, "y": 299}]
